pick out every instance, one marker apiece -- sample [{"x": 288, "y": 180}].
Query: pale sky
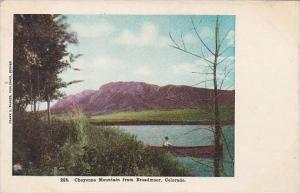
[{"x": 136, "y": 48}]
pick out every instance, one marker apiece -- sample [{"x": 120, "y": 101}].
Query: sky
[{"x": 137, "y": 48}]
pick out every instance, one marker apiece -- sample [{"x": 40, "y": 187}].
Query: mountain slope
[{"x": 138, "y": 96}]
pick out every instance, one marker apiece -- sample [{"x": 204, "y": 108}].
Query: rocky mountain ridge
[{"x": 139, "y": 96}]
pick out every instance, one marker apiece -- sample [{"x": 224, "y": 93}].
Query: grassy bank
[
  {"x": 173, "y": 116},
  {"x": 72, "y": 146}
]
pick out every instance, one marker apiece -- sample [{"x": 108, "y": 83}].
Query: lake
[{"x": 188, "y": 135}]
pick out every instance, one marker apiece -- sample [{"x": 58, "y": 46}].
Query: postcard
[{"x": 152, "y": 96}]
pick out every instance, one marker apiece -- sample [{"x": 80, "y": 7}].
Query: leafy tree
[{"x": 40, "y": 54}]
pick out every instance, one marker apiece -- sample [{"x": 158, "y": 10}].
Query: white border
[{"x": 267, "y": 95}]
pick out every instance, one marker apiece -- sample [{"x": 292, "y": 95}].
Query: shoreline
[{"x": 157, "y": 122}]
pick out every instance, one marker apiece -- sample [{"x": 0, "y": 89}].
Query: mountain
[{"x": 138, "y": 96}]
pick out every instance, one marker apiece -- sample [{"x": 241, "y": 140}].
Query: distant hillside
[{"x": 138, "y": 96}]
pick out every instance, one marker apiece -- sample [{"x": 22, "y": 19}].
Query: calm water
[{"x": 188, "y": 135}]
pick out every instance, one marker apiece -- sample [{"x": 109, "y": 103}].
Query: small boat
[{"x": 189, "y": 151}]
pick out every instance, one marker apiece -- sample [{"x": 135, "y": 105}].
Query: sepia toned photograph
[{"x": 123, "y": 95}]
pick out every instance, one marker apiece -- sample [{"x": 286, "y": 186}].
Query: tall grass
[{"x": 71, "y": 146}]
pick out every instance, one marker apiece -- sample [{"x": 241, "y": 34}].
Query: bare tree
[{"x": 213, "y": 57}]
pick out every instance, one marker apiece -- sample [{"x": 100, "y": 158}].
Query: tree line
[{"x": 40, "y": 55}]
